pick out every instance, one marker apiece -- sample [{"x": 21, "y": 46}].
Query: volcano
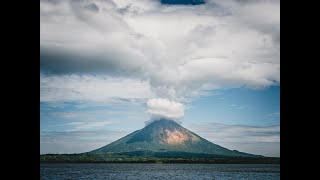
[{"x": 167, "y": 138}]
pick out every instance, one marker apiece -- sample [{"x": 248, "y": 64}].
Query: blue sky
[
  {"x": 230, "y": 107},
  {"x": 249, "y": 107},
  {"x": 108, "y": 67}
]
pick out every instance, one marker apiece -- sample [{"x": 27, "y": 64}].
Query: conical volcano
[{"x": 166, "y": 137}]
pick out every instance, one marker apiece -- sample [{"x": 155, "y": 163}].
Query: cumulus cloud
[
  {"x": 179, "y": 51},
  {"x": 164, "y": 108}
]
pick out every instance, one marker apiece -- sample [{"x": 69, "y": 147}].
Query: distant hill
[{"x": 166, "y": 138}]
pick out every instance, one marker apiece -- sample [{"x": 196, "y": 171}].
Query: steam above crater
[{"x": 165, "y": 108}]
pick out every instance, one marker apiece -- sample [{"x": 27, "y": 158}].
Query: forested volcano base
[{"x": 141, "y": 157}]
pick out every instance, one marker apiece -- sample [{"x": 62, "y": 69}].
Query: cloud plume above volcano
[
  {"x": 125, "y": 61},
  {"x": 180, "y": 51},
  {"x": 164, "y": 108}
]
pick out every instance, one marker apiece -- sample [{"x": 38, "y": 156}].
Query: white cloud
[
  {"x": 140, "y": 50},
  {"x": 89, "y": 124},
  {"x": 164, "y": 108},
  {"x": 88, "y": 114},
  {"x": 179, "y": 51},
  {"x": 60, "y": 88}
]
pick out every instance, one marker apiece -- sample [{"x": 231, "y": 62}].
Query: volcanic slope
[{"x": 166, "y": 136}]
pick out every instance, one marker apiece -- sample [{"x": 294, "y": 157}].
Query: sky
[{"x": 109, "y": 67}]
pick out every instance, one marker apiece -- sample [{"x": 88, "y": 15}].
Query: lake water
[{"x": 160, "y": 171}]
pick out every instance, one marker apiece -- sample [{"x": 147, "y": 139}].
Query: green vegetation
[{"x": 125, "y": 158}]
